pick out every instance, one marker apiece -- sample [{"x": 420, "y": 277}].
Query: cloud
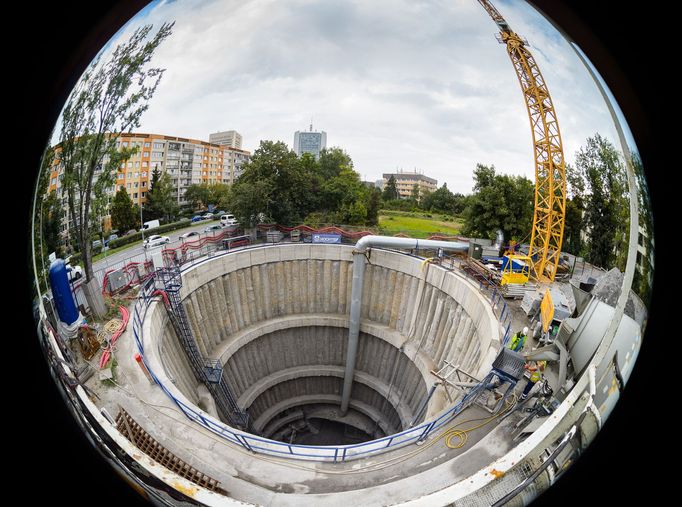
[{"x": 396, "y": 83}]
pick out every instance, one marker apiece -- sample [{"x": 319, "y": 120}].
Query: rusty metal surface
[{"x": 127, "y": 426}]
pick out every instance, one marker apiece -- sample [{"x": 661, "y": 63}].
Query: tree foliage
[
  {"x": 390, "y": 192},
  {"x": 202, "y": 195},
  {"x": 606, "y": 215},
  {"x": 110, "y": 98},
  {"x": 161, "y": 201},
  {"x": 643, "y": 281},
  {"x": 499, "y": 201},
  {"x": 277, "y": 186},
  {"x": 123, "y": 214},
  {"x": 443, "y": 201}
]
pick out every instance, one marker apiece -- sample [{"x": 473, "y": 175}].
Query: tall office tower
[
  {"x": 230, "y": 138},
  {"x": 309, "y": 142}
]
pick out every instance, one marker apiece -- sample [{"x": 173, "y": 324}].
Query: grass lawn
[
  {"x": 101, "y": 256},
  {"x": 418, "y": 225}
]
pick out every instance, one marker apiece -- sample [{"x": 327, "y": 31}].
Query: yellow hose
[{"x": 463, "y": 434}]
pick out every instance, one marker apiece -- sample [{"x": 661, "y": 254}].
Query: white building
[
  {"x": 309, "y": 142},
  {"x": 230, "y": 138}
]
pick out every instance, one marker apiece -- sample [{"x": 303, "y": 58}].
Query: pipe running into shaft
[{"x": 361, "y": 248}]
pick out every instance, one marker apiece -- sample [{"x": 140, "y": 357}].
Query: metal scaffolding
[{"x": 206, "y": 371}]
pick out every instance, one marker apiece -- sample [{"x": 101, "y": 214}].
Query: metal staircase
[{"x": 206, "y": 371}]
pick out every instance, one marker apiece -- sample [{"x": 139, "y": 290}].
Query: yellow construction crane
[{"x": 550, "y": 174}]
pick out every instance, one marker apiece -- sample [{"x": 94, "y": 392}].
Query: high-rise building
[
  {"x": 230, "y": 138},
  {"x": 406, "y": 180},
  {"x": 186, "y": 161},
  {"x": 309, "y": 142}
]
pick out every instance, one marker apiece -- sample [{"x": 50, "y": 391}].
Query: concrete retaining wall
[{"x": 266, "y": 310}]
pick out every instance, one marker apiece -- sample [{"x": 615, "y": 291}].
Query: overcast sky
[{"x": 398, "y": 84}]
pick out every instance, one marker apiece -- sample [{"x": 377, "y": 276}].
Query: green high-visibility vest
[{"x": 517, "y": 341}]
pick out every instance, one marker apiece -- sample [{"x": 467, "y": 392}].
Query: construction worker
[
  {"x": 536, "y": 372},
  {"x": 518, "y": 340}
]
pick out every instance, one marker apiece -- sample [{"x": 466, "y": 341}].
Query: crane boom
[{"x": 550, "y": 170}]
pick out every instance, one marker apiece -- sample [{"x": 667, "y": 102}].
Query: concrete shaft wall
[{"x": 271, "y": 313}]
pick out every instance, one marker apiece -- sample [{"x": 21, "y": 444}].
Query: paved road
[{"x": 138, "y": 254}]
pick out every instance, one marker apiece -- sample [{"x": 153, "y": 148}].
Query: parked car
[
  {"x": 228, "y": 219},
  {"x": 131, "y": 231},
  {"x": 197, "y": 218},
  {"x": 191, "y": 234},
  {"x": 110, "y": 238},
  {"x": 208, "y": 216},
  {"x": 74, "y": 272},
  {"x": 156, "y": 240},
  {"x": 152, "y": 224},
  {"x": 213, "y": 228}
]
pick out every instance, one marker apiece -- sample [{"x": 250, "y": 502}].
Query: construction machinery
[{"x": 550, "y": 176}]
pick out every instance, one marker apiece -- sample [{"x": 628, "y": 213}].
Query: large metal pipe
[{"x": 361, "y": 248}]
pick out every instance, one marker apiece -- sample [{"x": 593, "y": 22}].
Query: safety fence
[{"x": 272, "y": 447}]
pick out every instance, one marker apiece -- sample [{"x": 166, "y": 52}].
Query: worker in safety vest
[
  {"x": 518, "y": 340},
  {"x": 536, "y": 372}
]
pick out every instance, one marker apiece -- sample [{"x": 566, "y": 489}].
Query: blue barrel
[{"x": 61, "y": 292}]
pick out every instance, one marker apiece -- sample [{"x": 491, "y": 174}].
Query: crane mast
[{"x": 550, "y": 170}]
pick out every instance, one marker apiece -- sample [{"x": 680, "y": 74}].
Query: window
[
  {"x": 137, "y": 165},
  {"x": 130, "y": 175},
  {"x": 145, "y": 164},
  {"x": 144, "y": 174},
  {"x": 144, "y": 184},
  {"x": 135, "y": 185},
  {"x": 145, "y": 154},
  {"x": 121, "y": 176},
  {"x": 146, "y": 145},
  {"x": 144, "y": 194},
  {"x": 135, "y": 195},
  {"x": 158, "y": 146},
  {"x": 128, "y": 185},
  {"x": 124, "y": 144}
]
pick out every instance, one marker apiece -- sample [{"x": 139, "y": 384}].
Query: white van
[
  {"x": 152, "y": 224},
  {"x": 228, "y": 220}
]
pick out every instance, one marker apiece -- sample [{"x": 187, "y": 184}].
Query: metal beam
[{"x": 361, "y": 248}]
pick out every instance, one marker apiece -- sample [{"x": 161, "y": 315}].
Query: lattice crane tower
[{"x": 550, "y": 172}]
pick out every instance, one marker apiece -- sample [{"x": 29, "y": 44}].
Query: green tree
[
  {"x": 373, "y": 206},
  {"x": 332, "y": 161},
  {"x": 282, "y": 187},
  {"x": 250, "y": 202},
  {"x": 198, "y": 195},
  {"x": 123, "y": 215},
  {"x": 501, "y": 202},
  {"x": 201, "y": 195},
  {"x": 415, "y": 193},
  {"x": 443, "y": 201},
  {"x": 606, "y": 214},
  {"x": 110, "y": 98},
  {"x": 46, "y": 221},
  {"x": 642, "y": 283},
  {"x": 390, "y": 192},
  {"x": 161, "y": 201}
]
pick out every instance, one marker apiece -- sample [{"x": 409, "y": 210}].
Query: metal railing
[
  {"x": 492, "y": 293},
  {"x": 272, "y": 447}
]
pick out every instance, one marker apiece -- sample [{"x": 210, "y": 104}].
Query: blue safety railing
[{"x": 262, "y": 445}]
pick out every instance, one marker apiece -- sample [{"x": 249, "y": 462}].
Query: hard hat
[{"x": 525, "y": 330}]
